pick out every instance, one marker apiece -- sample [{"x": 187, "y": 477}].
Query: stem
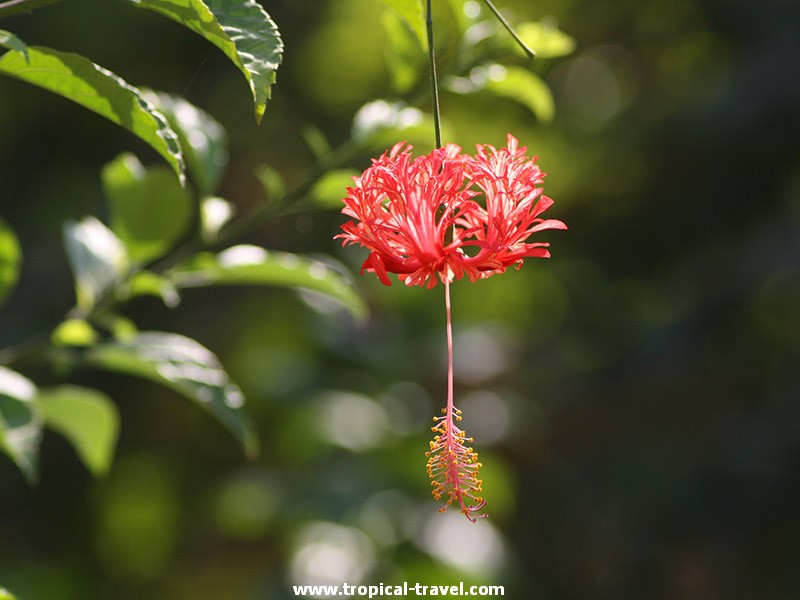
[
  {"x": 15, "y": 7},
  {"x": 525, "y": 48},
  {"x": 437, "y": 120},
  {"x": 450, "y": 407},
  {"x": 247, "y": 223}
]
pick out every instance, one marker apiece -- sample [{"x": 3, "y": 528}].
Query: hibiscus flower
[{"x": 440, "y": 217}]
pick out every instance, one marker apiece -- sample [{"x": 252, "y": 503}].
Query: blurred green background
[{"x": 635, "y": 399}]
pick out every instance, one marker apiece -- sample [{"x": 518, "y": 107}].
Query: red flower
[
  {"x": 446, "y": 214},
  {"x": 440, "y": 217}
]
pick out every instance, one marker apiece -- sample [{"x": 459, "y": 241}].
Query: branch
[
  {"x": 531, "y": 54},
  {"x": 15, "y": 7},
  {"x": 437, "y": 119}
]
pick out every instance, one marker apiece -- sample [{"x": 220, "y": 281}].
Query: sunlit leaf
[
  {"x": 20, "y": 422},
  {"x": 148, "y": 283},
  {"x": 122, "y": 328},
  {"x": 97, "y": 258},
  {"x": 6, "y": 595},
  {"x": 412, "y": 13},
  {"x": 515, "y": 83},
  {"x": 253, "y": 265},
  {"x": 381, "y": 123},
  {"x": 74, "y": 332},
  {"x": 546, "y": 39},
  {"x": 185, "y": 366},
  {"x": 526, "y": 88},
  {"x": 10, "y": 259},
  {"x": 80, "y": 80},
  {"x": 330, "y": 189},
  {"x": 203, "y": 139},
  {"x": 214, "y": 214},
  {"x": 242, "y": 29},
  {"x": 87, "y": 418},
  {"x": 119, "y": 326},
  {"x": 12, "y": 42},
  {"x": 148, "y": 209}
]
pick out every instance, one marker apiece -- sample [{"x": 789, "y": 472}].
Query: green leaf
[
  {"x": 253, "y": 265},
  {"x": 6, "y": 595},
  {"x": 403, "y": 57},
  {"x": 11, "y": 8},
  {"x": 526, "y": 88},
  {"x": 120, "y": 327},
  {"x": 147, "y": 283},
  {"x": 330, "y": 189},
  {"x": 148, "y": 208},
  {"x": 546, "y": 39},
  {"x": 214, "y": 214},
  {"x": 185, "y": 366},
  {"x": 316, "y": 141},
  {"x": 87, "y": 418},
  {"x": 412, "y": 13},
  {"x": 74, "y": 332},
  {"x": 203, "y": 139},
  {"x": 242, "y": 29},
  {"x": 20, "y": 422},
  {"x": 12, "y": 42},
  {"x": 80, "y": 80},
  {"x": 10, "y": 259},
  {"x": 274, "y": 186},
  {"x": 382, "y": 123},
  {"x": 272, "y": 182},
  {"x": 514, "y": 83},
  {"x": 97, "y": 258}
]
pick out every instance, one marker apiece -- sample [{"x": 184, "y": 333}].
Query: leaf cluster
[
  {"x": 168, "y": 229},
  {"x": 163, "y": 222}
]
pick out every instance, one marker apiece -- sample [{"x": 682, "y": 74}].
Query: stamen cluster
[{"x": 453, "y": 467}]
